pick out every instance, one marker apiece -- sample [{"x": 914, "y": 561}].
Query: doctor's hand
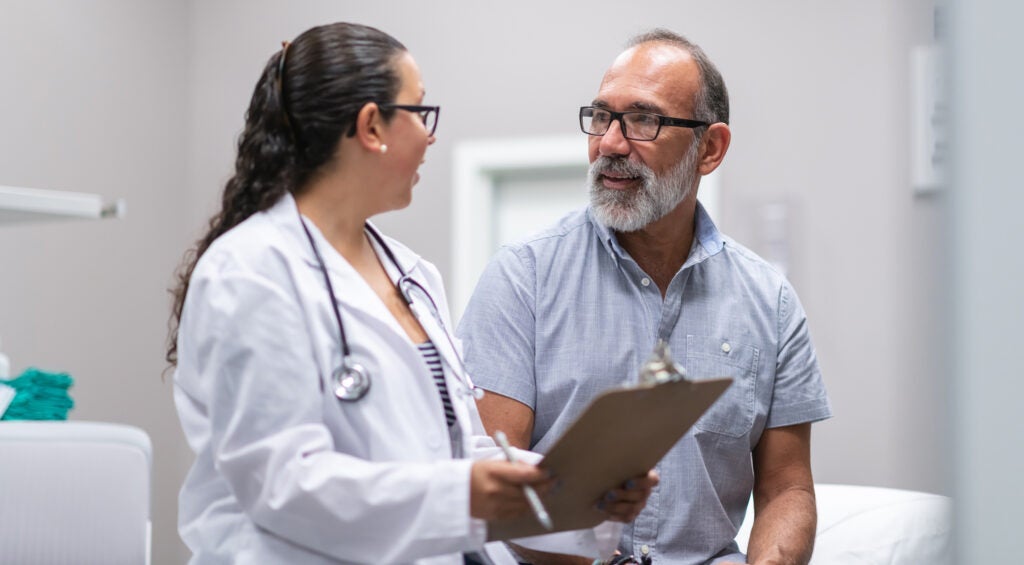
[
  {"x": 496, "y": 488},
  {"x": 625, "y": 503}
]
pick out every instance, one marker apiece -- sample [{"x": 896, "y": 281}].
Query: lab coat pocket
[{"x": 710, "y": 357}]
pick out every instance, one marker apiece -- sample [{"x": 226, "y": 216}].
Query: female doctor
[{"x": 316, "y": 380}]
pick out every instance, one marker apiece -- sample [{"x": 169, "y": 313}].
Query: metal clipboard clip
[{"x": 660, "y": 368}]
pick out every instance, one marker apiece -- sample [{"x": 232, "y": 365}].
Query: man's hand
[{"x": 625, "y": 503}]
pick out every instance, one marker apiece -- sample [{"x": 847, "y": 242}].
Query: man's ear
[
  {"x": 713, "y": 146},
  {"x": 369, "y": 127}
]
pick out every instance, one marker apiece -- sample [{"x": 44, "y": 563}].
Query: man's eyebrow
[
  {"x": 646, "y": 107},
  {"x": 635, "y": 106}
]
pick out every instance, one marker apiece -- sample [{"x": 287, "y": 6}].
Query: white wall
[
  {"x": 144, "y": 100},
  {"x": 822, "y": 106},
  {"x": 92, "y": 99}
]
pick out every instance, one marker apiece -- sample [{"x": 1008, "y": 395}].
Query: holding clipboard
[{"x": 622, "y": 434}]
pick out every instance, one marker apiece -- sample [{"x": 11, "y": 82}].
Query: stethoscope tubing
[{"x": 352, "y": 381}]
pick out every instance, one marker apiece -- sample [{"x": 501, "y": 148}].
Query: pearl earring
[{"x": 383, "y": 149}]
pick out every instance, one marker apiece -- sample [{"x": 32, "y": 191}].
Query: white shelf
[{"x": 24, "y": 205}]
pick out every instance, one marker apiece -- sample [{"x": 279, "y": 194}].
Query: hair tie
[{"x": 280, "y": 62}]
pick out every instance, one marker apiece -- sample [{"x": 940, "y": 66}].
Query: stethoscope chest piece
[{"x": 351, "y": 382}]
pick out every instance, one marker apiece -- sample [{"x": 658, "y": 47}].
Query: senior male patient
[{"x": 578, "y": 308}]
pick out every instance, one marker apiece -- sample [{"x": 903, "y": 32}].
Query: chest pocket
[{"x": 711, "y": 357}]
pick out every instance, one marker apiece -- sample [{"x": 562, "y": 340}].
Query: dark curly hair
[{"x": 308, "y": 96}]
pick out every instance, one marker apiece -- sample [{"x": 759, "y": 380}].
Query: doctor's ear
[{"x": 369, "y": 127}]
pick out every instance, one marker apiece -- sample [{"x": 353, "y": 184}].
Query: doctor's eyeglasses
[
  {"x": 428, "y": 114},
  {"x": 638, "y": 126}
]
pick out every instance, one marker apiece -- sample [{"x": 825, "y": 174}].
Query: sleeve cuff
[{"x": 807, "y": 411}]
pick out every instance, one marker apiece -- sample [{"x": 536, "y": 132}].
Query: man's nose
[{"x": 613, "y": 142}]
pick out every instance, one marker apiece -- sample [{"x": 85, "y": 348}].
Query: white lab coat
[{"x": 285, "y": 472}]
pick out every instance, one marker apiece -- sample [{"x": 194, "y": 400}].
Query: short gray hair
[{"x": 712, "y": 103}]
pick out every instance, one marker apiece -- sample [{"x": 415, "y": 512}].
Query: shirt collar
[{"x": 707, "y": 240}]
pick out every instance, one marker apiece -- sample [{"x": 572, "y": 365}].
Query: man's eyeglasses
[
  {"x": 428, "y": 114},
  {"x": 639, "y": 126}
]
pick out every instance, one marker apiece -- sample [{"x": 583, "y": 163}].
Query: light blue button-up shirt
[{"x": 567, "y": 314}]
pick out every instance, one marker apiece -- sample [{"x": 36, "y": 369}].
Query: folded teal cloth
[{"x": 40, "y": 396}]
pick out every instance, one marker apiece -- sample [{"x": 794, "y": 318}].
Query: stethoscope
[{"x": 351, "y": 380}]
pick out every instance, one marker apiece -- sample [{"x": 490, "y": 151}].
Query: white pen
[{"x": 531, "y": 495}]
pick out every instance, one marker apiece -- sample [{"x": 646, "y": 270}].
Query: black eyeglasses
[
  {"x": 639, "y": 126},
  {"x": 428, "y": 114},
  {"x": 630, "y": 560}
]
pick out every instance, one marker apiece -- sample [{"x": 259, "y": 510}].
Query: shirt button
[
  {"x": 645, "y": 281},
  {"x": 726, "y": 347},
  {"x": 644, "y": 549}
]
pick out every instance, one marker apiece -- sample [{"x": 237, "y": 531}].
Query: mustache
[{"x": 619, "y": 166}]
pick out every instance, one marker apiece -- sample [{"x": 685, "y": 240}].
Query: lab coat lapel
[
  {"x": 356, "y": 294},
  {"x": 429, "y": 308}
]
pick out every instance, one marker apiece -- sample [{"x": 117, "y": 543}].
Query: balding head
[{"x": 712, "y": 100}]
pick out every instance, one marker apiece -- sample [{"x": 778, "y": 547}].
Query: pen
[{"x": 531, "y": 495}]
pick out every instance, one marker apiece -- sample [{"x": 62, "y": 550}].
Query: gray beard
[{"x": 633, "y": 210}]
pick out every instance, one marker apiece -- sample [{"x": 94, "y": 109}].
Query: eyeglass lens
[
  {"x": 429, "y": 118},
  {"x": 640, "y": 126}
]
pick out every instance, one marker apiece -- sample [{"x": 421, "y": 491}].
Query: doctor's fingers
[
  {"x": 510, "y": 505},
  {"x": 519, "y": 473},
  {"x": 496, "y": 489}
]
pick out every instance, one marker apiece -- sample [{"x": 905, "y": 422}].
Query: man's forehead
[
  {"x": 656, "y": 53},
  {"x": 656, "y": 73}
]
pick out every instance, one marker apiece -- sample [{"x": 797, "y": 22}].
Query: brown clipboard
[{"x": 622, "y": 434}]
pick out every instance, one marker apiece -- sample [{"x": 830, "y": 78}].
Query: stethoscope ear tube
[
  {"x": 406, "y": 287},
  {"x": 351, "y": 381}
]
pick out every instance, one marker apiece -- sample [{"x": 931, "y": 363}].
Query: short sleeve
[
  {"x": 799, "y": 393},
  {"x": 498, "y": 328}
]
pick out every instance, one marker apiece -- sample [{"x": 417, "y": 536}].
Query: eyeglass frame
[
  {"x": 413, "y": 108},
  {"x": 662, "y": 121},
  {"x": 629, "y": 560}
]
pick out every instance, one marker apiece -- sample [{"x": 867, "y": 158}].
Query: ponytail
[
  {"x": 307, "y": 97},
  {"x": 266, "y": 157}
]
